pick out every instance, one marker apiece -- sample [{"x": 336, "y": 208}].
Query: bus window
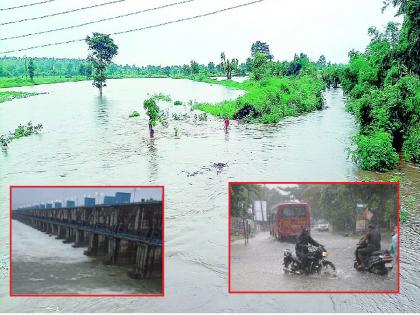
[{"x": 296, "y": 211}]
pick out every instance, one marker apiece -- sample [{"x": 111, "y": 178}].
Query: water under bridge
[{"x": 121, "y": 234}]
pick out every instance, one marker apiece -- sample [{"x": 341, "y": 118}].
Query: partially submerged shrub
[
  {"x": 19, "y": 132},
  {"x": 411, "y": 147},
  {"x": 134, "y": 114},
  {"x": 374, "y": 152}
]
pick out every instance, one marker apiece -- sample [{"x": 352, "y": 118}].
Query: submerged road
[{"x": 258, "y": 267}]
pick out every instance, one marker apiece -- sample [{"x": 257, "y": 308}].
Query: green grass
[
  {"x": 10, "y": 95},
  {"x": 16, "y": 82},
  {"x": 269, "y": 100}
]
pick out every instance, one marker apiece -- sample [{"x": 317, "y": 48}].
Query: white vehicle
[{"x": 322, "y": 227}]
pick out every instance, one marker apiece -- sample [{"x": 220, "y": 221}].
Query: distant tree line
[{"x": 334, "y": 203}]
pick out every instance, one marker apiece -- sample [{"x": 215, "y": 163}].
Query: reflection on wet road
[{"x": 258, "y": 267}]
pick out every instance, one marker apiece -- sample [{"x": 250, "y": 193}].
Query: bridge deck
[{"x": 97, "y": 230}]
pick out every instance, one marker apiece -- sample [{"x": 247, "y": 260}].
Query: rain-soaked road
[{"x": 258, "y": 267}]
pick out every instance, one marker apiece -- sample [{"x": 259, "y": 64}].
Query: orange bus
[{"x": 288, "y": 219}]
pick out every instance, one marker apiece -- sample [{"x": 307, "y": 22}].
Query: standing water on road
[{"x": 90, "y": 140}]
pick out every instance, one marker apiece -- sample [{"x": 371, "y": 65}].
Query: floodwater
[
  {"x": 44, "y": 265},
  {"x": 258, "y": 266},
  {"x": 89, "y": 140}
]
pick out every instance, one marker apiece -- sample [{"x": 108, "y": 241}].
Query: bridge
[{"x": 119, "y": 234}]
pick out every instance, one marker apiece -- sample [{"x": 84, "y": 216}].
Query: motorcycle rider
[
  {"x": 372, "y": 239},
  {"x": 302, "y": 243}
]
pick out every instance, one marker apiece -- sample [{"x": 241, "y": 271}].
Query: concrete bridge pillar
[{"x": 80, "y": 239}]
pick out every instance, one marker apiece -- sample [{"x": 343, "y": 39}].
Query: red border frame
[
  {"x": 230, "y": 291},
  {"x": 11, "y": 294}
]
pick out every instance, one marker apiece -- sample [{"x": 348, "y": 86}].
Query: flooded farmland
[{"x": 90, "y": 140}]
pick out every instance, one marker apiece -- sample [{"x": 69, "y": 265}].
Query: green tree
[
  {"x": 102, "y": 50},
  {"x": 195, "y": 67},
  {"x": 261, "y": 47},
  {"x": 259, "y": 66},
  {"x": 322, "y": 62},
  {"x": 153, "y": 112},
  {"x": 228, "y": 65},
  {"x": 31, "y": 69}
]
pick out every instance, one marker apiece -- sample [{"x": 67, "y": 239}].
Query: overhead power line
[
  {"x": 97, "y": 21},
  {"x": 61, "y": 13},
  {"x": 26, "y": 5},
  {"x": 138, "y": 29}
]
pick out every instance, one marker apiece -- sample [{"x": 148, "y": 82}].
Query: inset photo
[
  {"x": 314, "y": 237},
  {"x": 86, "y": 240}
]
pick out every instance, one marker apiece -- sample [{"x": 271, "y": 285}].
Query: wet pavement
[{"x": 258, "y": 266}]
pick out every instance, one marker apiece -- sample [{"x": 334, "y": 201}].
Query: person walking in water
[{"x": 226, "y": 124}]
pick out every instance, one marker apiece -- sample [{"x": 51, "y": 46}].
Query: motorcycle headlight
[{"x": 324, "y": 254}]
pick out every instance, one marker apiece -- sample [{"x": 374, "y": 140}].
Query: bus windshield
[{"x": 293, "y": 211}]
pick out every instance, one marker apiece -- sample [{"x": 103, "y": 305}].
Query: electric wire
[
  {"x": 138, "y": 29},
  {"x": 61, "y": 13},
  {"x": 26, "y": 5},
  {"x": 96, "y": 21}
]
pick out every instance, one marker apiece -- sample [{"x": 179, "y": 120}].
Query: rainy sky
[
  {"x": 29, "y": 196},
  {"x": 329, "y": 27}
]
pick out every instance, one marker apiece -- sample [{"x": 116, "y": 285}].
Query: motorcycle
[
  {"x": 379, "y": 262},
  {"x": 317, "y": 262}
]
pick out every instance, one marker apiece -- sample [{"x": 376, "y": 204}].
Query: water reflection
[{"x": 102, "y": 109}]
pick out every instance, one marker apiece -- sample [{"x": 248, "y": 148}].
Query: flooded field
[
  {"x": 90, "y": 140},
  {"x": 258, "y": 267}
]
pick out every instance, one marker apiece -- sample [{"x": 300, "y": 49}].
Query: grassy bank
[
  {"x": 269, "y": 100},
  {"x": 10, "y": 95},
  {"x": 6, "y": 82}
]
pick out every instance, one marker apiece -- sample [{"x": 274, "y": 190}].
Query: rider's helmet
[
  {"x": 371, "y": 227},
  {"x": 305, "y": 230}
]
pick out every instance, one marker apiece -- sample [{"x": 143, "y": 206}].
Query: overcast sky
[
  {"x": 330, "y": 27},
  {"x": 29, "y": 196}
]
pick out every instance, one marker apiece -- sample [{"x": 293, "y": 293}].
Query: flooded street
[
  {"x": 91, "y": 140},
  {"x": 258, "y": 266}
]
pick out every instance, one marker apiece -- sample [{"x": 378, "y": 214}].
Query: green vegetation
[
  {"x": 162, "y": 97},
  {"x": 228, "y": 65},
  {"x": 31, "y": 70},
  {"x": 134, "y": 114},
  {"x": 19, "y": 81},
  {"x": 335, "y": 203},
  {"x": 383, "y": 86},
  {"x": 177, "y": 103},
  {"x": 10, "y": 95},
  {"x": 270, "y": 99},
  {"x": 102, "y": 49},
  {"x": 19, "y": 132},
  {"x": 153, "y": 112},
  {"x": 375, "y": 152}
]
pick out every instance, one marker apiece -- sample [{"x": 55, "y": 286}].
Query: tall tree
[
  {"x": 263, "y": 48},
  {"x": 228, "y": 65},
  {"x": 195, "y": 67},
  {"x": 31, "y": 69},
  {"x": 259, "y": 66},
  {"x": 101, "y": 51}
]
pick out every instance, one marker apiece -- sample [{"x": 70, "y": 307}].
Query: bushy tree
[
  {"x": 263, "y": 48},
  {"x": 228, "y": 65},
  {"x": 31, "y": 69},
  {"x": 259, "y": 66},
  {"x": 102, "y": 50},
  {"x": 153, "y": 112}
]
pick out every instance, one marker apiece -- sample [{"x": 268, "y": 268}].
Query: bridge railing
[{"x": 97, "y": 229}]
